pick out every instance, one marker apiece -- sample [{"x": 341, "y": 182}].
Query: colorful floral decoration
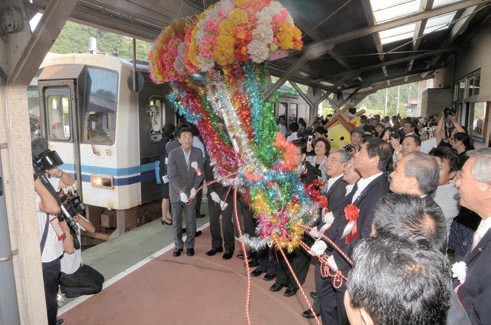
[{"x": 216, "y": 64}]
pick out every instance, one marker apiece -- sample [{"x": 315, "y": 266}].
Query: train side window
[
  {"x": 98, "y": 114},
  {"x": 58, "y": 111}
]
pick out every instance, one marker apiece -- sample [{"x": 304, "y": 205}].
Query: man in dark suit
[
  {"x": 336, "y": 192},
  {"x": 474, "y": 290},
  {"x": 371, "y": 162},
  {"x": 220, "y": 201},
  {"x": 185, "y": 171}
]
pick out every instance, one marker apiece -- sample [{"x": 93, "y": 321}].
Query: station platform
[{"x": 145, "y": 284}]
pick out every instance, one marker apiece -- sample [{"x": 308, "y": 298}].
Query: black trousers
[
  {"x": 299, "y": 260},
  {"x": 51, "y": 277},
  {"x": 227, "y": 227}
]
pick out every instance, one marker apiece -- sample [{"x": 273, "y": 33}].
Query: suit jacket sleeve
[
  {"x": 197, "y": 155},
  {"x": 172, "y": 171}
]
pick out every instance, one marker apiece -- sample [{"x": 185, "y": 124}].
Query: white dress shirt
[
  {"x": 331, "y": 181},
  {"x": 362, "y": 184},
  {"x": 482, "y": 230}
]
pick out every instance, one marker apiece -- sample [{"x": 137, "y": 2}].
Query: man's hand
[
  {"x": 193, "y": 193},
  {"x": 184, "y": 197},
  {"x": 396, "y": 145},
  {"x": 55, "y": 172},
  {"x": 314, "y": 233},
  {"x": 215, "y": 198},
  {"x": 318, "y": 248},
  {"x": 223, "y": 205}
]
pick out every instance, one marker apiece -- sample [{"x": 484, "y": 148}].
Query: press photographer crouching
[{"x": 53, "y": 230}]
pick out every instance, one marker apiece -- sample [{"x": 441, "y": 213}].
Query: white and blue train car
[{"x": 106, "y": 133}]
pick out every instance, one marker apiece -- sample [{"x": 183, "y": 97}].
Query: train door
[{"x": 58, "y": 100}]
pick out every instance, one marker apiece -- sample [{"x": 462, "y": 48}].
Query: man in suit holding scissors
[{"x": 373, "y": 159}]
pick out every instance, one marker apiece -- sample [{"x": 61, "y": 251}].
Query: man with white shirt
[
  {"x": 371, "y": 162},
  {"x": 185, "y": 171},
  {"x": 336, "y": 191},
  {"x": 474, "y": 289}
]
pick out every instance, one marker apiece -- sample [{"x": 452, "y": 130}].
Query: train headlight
[{"x": 102, "y": 181}]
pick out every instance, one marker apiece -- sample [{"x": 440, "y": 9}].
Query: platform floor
[{"x": 145, "y": 284}]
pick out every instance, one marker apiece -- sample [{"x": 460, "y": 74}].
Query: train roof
[{"x": 100, "y": 60}]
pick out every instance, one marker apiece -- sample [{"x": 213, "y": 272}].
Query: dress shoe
[
  {"x": 276, "y": 287},
  {"x": 201, "y": 215},
  {"x": 227, "y": 255},
  {"x": 313, "y": 294},
  {"x": 269, "y": 277},
  {"x": 250, "y": 255},
  {"x": 177, "y": 252},
  {"x": 308, "y": 314},
  {"x": 290, "y": 291},
  {"x": 257, "y": 272},
  {"x": 213, "y": 251},
  {"x": 190, "y": 252}
]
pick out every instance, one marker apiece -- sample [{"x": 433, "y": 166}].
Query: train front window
[
  {"x": 98, "y": 113},
  {"x": 58, "y": 111}
]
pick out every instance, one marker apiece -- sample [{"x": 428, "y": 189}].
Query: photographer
[
  {"x": 54, "y": 233},
  {"x": 446, "y": 127}
]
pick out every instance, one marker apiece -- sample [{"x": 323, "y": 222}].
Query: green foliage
[
  {"x": 74, "y": 38},
  {"x": 375, "y": 103}
]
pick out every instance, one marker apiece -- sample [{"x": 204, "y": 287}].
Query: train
[{"x": 104, "y": 116}]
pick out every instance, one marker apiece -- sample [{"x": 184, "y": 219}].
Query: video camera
[{"x": 47, "y": 160}]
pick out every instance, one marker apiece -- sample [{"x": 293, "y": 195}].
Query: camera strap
[{"x": 45, "y": 234}]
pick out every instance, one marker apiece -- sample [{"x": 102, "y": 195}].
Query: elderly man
[
  {"x": 378, "y": 290},
  {"x": 416, "y": 173},
  {"x": 336, "y": 192},
  {"x": 473, "y": 283}
]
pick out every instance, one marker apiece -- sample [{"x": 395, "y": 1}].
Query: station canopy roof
[{"x": 350, "y": 46}]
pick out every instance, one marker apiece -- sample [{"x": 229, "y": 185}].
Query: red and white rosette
[{"x": 351, "y": 213}]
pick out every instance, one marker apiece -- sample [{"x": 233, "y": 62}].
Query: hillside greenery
[{"x": 74, "y": 38}]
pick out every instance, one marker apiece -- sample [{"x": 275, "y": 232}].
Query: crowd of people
[{"x": 420, "y": 194}]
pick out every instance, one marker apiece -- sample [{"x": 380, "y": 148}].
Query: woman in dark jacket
[{"x": 167, "y": 136}]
